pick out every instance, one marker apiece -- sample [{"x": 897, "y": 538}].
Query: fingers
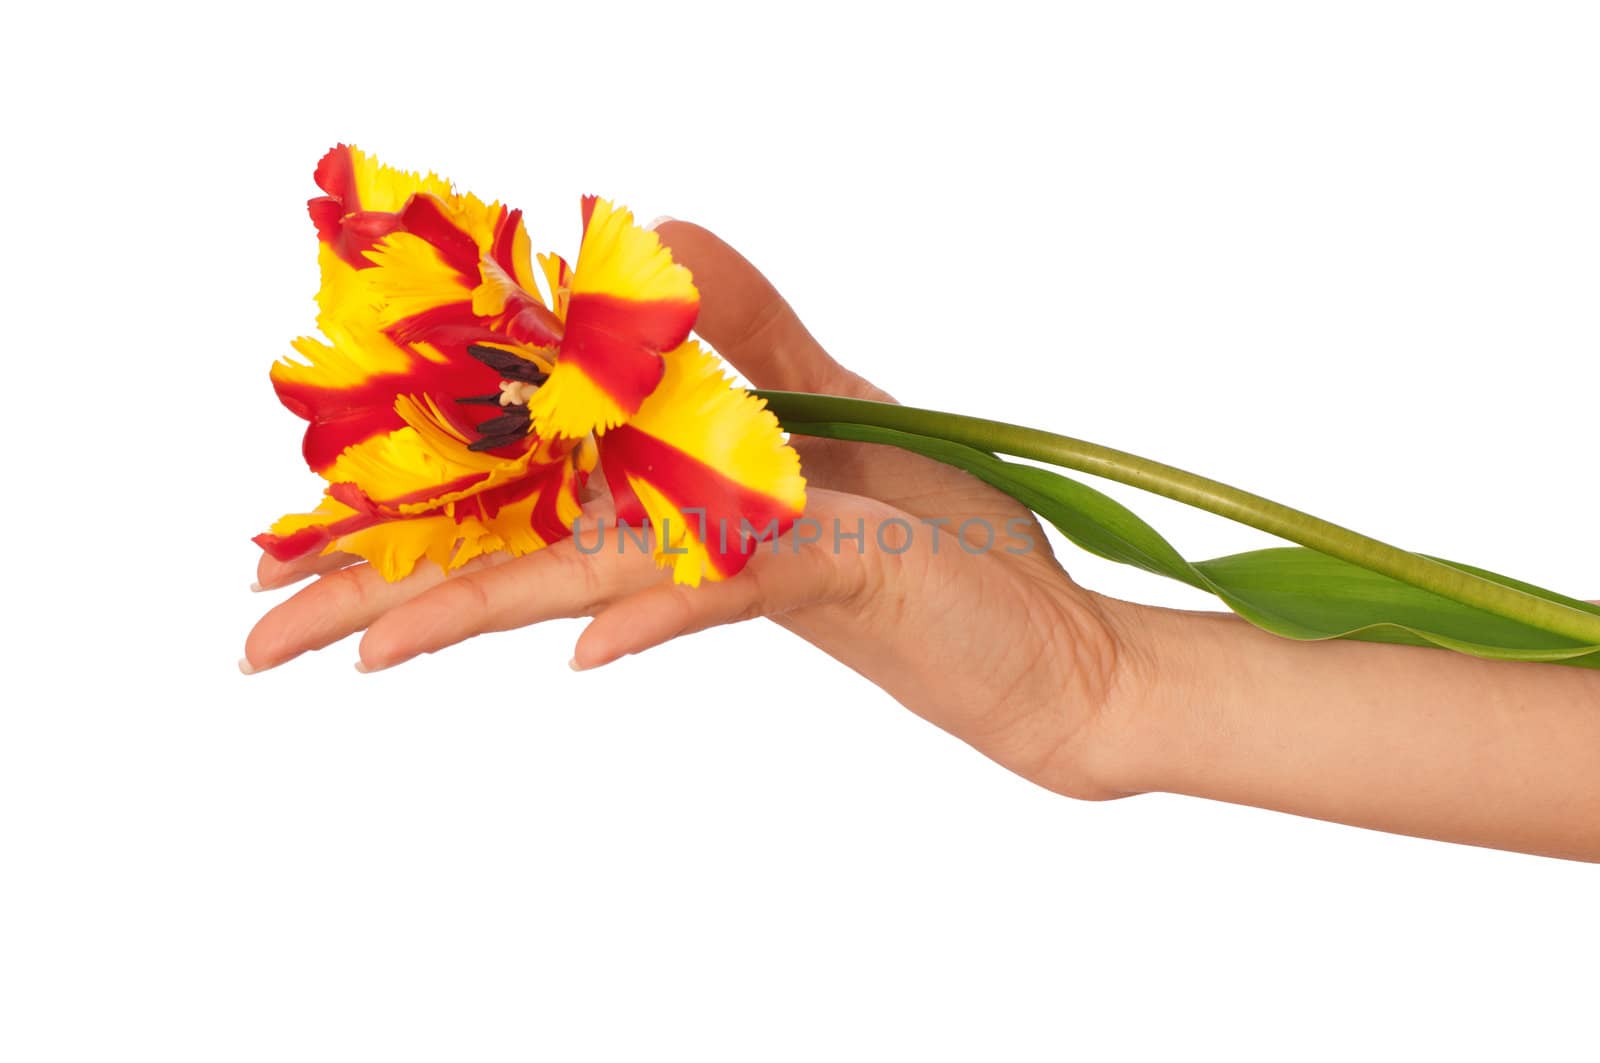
[
  {"x": 662, "y": 613},
  {"x": 748, "y": 322},
  {"x": 339, "y": 604},
  {"x": 614, "y": 577},
  {"x": 272, "y": 573},
  {"x": 558, "y": 581}
]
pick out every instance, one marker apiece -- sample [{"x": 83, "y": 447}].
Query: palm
[{"x": 971, "y": 641}]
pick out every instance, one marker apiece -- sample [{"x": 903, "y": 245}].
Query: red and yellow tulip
[{"x": 456, "y": 410}]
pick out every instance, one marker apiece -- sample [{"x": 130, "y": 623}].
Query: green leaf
[
  {"x": 1291, "y": 591},
  {"x": 843, "y": 417}
]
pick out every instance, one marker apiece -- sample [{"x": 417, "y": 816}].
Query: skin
[{"x": 1085, "y": 695}]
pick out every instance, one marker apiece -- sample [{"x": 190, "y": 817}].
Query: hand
[
  {"x": 1085, "y": 695},
  {"x": 988, "y": 639}
]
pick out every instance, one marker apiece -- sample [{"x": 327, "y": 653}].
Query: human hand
[{"x": 985, "y": 636}]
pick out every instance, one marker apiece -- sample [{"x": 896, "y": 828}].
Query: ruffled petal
[
  {"x": 362, "y": 200},
  {"x": 394, "y": 547},
  {"x": 627, "y": 302},
  {"x": 707, "y": 464},
  {"x": 299, "y": 534}
]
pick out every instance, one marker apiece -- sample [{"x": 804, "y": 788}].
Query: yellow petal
[
  {"x": 350, "y": 172},
  {"x": 627, "y": 301},
  {"x": 625, "y": 260}
]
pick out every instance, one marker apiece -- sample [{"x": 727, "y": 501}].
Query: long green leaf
[{"x": 1291, "y": 591}]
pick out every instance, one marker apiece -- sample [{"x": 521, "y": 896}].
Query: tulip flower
[{"x": 456, "y": 405}]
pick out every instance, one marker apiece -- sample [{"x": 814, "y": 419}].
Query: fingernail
[
  {"x": 574, "y": 665},
  {"x": 364, "y": 668},
  {"x": 660, "y": 221},
  {"x": 246, "y": 667},
  {"x": 258, "y": 588}
]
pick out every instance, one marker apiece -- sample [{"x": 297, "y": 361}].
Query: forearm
[{"x": 1396, "y": 738}]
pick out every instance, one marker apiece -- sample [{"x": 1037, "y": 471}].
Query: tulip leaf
[{"x": 1291, "y": 591}]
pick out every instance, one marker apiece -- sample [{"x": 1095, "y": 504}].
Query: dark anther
[
  {"x": 515, "y": 421},
  {"x": 492, "y": 442},
  {"x": 481, "y": 400},
  {"x": 509, "y": 365}
]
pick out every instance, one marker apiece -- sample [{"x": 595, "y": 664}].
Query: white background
[{"x": 1346, "y": 255}]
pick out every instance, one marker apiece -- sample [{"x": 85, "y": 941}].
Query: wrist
[
  {"x": 1152, "y": 731},
  {"x": 1403, "y": 739}
]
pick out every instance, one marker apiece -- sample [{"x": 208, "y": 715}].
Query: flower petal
[
  {"x": 628, "y": 301},
  {"x": 558, "y": 276},
  {"x": 394, "y": 547},
  {"x": 363, "y": 200},
  {"x": 367, "y": 201},
  {"x": 525, "y": 516},
  {"x": 299, "y": 534},
  {"x": 707, "y": 464},
  {"x": 449, "y": 523}
]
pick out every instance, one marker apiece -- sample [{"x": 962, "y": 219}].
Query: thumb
[{"x": 749, "y": 323}]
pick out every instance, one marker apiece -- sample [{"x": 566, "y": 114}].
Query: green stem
[{"x": 811, "y": 415}]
